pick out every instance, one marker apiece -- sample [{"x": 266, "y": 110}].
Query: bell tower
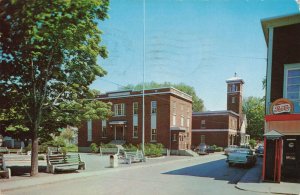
[{"x": 234, "y": 94}]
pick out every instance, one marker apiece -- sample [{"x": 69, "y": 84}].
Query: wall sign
[{"x": 282, "y": 106}]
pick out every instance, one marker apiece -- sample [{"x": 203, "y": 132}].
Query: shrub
[
  {"x": 107, "y": 145},
  {"x": 219, "y": 149},
  {"x": 153, "y": 150},
  {"x": 130, "y": 147},
  {"x": 94, "y": 147},
  {"x": 252, "y": 143}
]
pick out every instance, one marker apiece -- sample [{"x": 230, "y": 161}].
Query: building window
[
  {"x": 292, "y": 82},
  {"x": 153, "y": 107},
  {"x": 104, "y": 129},
  {"x": 119, "y": 109},
  {"x": 233, "y": 100},
  {"x": 174, "y": 137},
  {"x": 188, "y": 122},
  {"x": 89, "y": 130},
  {"x": 135, "y": 107},
  {"x": 202, "y": 139},
  {"x": 135, "y": 131},
  {"x": 181, "y": 120},
  {"x": 174, "y": 107},
  {"x": 202, "y": 124},
  {"x": 153, "y": 134},
  {"x": 174, "y": 119},
  {"x": 233, "y": 88}
]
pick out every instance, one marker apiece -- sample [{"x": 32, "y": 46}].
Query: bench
[
  {"x": 17, "y": 151},
  {"x": 64, "y": 162},
  {"x": 4, "y": 172},
  {"x": 136, "y": 156},
  {"x": 4, "y": 150},
  {"x": 109, "y": 151}
]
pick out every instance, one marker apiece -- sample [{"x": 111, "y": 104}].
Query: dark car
[
  {"x": 202, "y": 149},
  {"x": 260, "y": 151},
  {"x": 210, "y": 149}
]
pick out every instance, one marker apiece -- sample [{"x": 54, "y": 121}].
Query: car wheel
[{"x": 230, "y": 164}]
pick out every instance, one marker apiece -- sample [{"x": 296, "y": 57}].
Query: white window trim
[
  {"x": 122, "y": 109},
  {"x": 89, "y": 130},
  {"x": 288, "y": 67},
  {"x": 133, "y": 108},
  {"x": 153, "y": 107},
  {"x": 137, "y": 131},
  {"x": 153, "y": 140},
  {"x": 104, "y": 124}
]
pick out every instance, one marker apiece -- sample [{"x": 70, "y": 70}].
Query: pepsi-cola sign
[{"x": 281, "y": 106}]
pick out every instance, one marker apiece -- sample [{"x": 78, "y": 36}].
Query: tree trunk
[{"x": 34, "y": 152}]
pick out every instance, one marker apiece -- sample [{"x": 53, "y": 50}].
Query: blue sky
[{"x": 197, "y": 42}]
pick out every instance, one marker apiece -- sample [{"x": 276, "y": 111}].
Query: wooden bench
[
  {"x": 136, "y": 156},
  {"x": 4, "y": 172},
  {"x": 64, "y": 162},
  {"x": 4, "y": 150},
  {"x": 17, "y": 151}
]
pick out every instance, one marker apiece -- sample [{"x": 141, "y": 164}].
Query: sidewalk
[
  {"x": 252, "y": 182},
  {"x": 95, "y": 168}
]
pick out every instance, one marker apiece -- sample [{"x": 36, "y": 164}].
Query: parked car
[
  {"x": 241, "y": 156},
  {"x": 202, "y": 149},
  {"x": 230, "y": 149},
  {"x": 260, "y": 150},
  {"x": 210, "y": 149}
]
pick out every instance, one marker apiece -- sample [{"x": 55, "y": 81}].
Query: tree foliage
[
  {"x": 49, "y": 56},
  {"x": 198, "y": 105},
  {"x": 254, "y": 108}
]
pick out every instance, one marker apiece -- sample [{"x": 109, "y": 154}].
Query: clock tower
[{"x": 235, "y": 94}]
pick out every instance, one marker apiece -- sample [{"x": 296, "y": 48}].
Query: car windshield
[{"x": 243, "y": 151}]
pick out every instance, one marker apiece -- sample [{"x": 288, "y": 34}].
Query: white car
[{"x": 230, "y": 149}]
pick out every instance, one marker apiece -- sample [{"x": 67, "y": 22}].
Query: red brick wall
[
  {"x": 211, "y": 138},
  {"x": 286, "y": 44},
  {"x": 211, "y": 122},
  {"x": 163, "y": 121}
]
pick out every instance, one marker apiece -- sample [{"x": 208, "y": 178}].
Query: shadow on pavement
[
  {"x": 217, "y": 170},
  {"x": 24, "y": 170}
]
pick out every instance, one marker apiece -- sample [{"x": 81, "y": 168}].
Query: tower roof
[{"x": 235, "y": 79}]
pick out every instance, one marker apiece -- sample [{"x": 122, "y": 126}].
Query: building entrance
[{"x": 291, "y": 157}]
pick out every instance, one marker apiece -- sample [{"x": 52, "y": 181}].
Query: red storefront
[{"x": 282, "y": 120}]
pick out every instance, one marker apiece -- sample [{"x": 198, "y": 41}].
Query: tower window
[
  {"x": 233, "y": 88},
  {"x": 233, "y": 100}
]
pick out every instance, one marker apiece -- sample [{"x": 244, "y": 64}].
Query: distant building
[
  {"x": 282, "y": 120},
  {"x": 226, "y": 127},
  {"x": 168, "y": 118}
]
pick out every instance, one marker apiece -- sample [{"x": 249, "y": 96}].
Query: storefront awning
[
  {"x": 178, "y": 129},
  {"x": 118, "y": 122},
  {"x": 273, "y": 135}
]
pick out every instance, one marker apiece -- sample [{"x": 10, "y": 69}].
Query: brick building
[
  {"x": 222, "y": 128},
  {"x": 168, "y": 114},
  {"x": 282, "y": 120}
]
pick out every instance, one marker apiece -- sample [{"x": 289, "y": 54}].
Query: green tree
[
  {"x": 49, "y": 56},
  {"x": 198, "y": 105},
  {"x": 67, "y": 134},
  {"x": 254, "y": 108}
]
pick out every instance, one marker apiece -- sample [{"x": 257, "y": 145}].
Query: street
[{"x": 201, "y": 175}]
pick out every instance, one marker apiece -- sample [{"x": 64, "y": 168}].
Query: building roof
[
  {"x": 235, "y": 79},
  {"x": 132, "y": 93},
  {"x": 278, "y": 22},
  {"x": 219, "y": 112}
]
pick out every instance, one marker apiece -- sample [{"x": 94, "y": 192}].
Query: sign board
[{"x": 281, "y": 106}]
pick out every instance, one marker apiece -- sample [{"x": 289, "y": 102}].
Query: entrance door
[
  {"x": 270, "y": 160},
  {"x": 119, "y": 133},
  {"x": 291, "y": 160}
]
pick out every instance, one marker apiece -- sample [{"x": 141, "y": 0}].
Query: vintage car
[
  {"x": 260, "y": 150},
  {"x": 202, "y": 149},
  {"x": 229, "y": 149},
  {"x": 241, "y": 156}
]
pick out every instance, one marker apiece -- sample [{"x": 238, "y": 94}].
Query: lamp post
[{"x": 144, "y": 43}]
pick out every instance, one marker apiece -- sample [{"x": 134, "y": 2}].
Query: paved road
[{"x": 204, "y": 175}]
